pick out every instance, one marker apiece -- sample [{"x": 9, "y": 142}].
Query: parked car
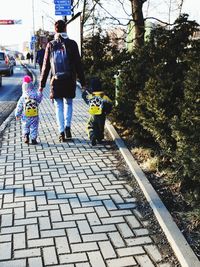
[{"x": 6, "y": 66}]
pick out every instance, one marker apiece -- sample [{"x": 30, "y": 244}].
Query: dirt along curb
[{"x": 177, "y": 241}]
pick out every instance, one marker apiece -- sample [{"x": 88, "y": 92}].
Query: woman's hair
[{"x": 60, "y": 26}]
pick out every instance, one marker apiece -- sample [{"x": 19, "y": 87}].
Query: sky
[
  {"x": 37, "y": 14},
  {"x": 43, "y": 17}
]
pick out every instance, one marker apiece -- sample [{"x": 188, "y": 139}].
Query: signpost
[
  {"x": 63, "y": 2},
  {"x": 33, "y": 39},
  {"x": 63, "y": 7},
  {"x": 10, "y": 21}
]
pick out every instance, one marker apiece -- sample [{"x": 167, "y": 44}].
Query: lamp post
[{"x": 34, "y": 52}]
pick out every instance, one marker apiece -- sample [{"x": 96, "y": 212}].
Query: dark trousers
[{"x": 95, "y": 127}]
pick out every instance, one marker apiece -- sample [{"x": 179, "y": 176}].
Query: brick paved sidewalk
[{"x": 65, "y": 204}]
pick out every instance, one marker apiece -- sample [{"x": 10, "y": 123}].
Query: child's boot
[
  {"x": 93, "y": 140},
  {"x": 26, "y": 138},
  {"x": 34, "y": 142}
]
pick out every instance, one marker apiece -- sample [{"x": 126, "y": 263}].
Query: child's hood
[
  {"x": 98, "y": 93},
  {"x": 28, "y": 89}
]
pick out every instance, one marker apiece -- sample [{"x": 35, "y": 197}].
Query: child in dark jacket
[
  {"x": 99, "y": 106},
  {"x": 27, "y": 110}
]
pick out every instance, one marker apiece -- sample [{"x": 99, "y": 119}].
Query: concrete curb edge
[
  {"x": 177, "y": 241},
  {"x": 6, "y": 122}
]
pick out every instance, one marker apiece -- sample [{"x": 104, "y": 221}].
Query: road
[{"x": 10, "y": 92}]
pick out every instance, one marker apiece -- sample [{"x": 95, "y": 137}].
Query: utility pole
[
  {"x": 43, "y": 23},
  {"x": 72, "y": 2},
  {"x": 34, "y": 52}
]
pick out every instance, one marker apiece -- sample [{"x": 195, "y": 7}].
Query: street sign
[
  {"x": 10, "y": 21},
  {"x": 33, "y": 39},
  {"x": 62, "y": 8},
  {"x": 6, "y": 21},
  {"x": 63, "y": 13},
  {"x": 31, "y": 45},
  {"x": 63, "y": 2}
]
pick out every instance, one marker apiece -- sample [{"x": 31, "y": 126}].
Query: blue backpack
[{"x": 59, "y": 60}]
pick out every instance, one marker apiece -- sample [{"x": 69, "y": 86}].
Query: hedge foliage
[{"x": 160, "y": 94}]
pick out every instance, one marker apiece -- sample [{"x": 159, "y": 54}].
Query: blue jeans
[{"x": 64, "y": 109}]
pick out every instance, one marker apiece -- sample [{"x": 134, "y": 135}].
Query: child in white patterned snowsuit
[{"x": 27, "y": 110}]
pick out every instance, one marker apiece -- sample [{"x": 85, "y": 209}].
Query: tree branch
[{"x": 166, "y": 23}]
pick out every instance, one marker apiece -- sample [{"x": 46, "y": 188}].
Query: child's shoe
[
  {"x": 93, "y": 140},
  {"x": 99, "y": 140},
  {"x": 34, "y": 142},
  {"x": 62, "y": 137},
  {"x": 26, "y": 138}
]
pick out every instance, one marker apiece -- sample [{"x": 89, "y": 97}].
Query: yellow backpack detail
[{"x": 31, "y": 107}]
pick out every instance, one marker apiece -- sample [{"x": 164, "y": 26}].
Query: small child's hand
[{"x": 83, "y": 88}]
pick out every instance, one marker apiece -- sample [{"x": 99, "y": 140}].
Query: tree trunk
[
  {"x": 138, "y": 20},
  {"x": 83, "y": 21}
]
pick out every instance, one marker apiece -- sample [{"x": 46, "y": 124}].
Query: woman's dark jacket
[{"x": 65, "y": 87}]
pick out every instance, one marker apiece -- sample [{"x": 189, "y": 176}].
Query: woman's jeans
[{"x": 64, "y": 109}]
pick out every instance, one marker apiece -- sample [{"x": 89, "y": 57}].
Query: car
[{"x": 6, "y": 66}]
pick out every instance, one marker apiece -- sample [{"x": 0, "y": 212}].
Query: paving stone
[
  {"x": 50, "y": 257},
  {"x": 19, "y": 241},
  {"x": 83, "y": 247},
  {"x": 43, "y": 242},
  {"x": 144, "y": 261},
  {"x": 26, "y": 253},
  {"x": 62, "y": 245},
  {"x": 14, "y": 263},
  {"x": 125, "y": 230},
  {"x": 153, "y": 252},
  {"x": 5, "y": 251},
  {"x": 96, "y": 259},
  {"x": 138, "y": 241},
  {"x": 94, "y": 237},
  {"x": 32, "y": 231},
  {"x": 122, "y": 262},
  {"x": 44, "y": 223},
  {"x": 73, "y": 258},
  {"x": 52, "y": 233},
  {"x": 130, "y": 251},
  {"x": 107, "y": 250},
  {"x": 6, "y": 220},
  {"x": 35, "y": 262},
  {"x": 116, "y": 239}
]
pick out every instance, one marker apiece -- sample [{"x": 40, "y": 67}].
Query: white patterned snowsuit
[{"x": 29, "y": 123}]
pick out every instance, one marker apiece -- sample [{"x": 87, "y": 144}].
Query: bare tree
[
  {"x": 138, "y": 20},
  {"x": 132, "y": 10}
]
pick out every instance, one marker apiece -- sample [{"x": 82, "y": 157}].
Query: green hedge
[{"x": 159, "y": 93}]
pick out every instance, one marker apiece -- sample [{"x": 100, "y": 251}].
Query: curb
[
  {"x": 177, "y": 241},
  {"x": 6, "y": 122}
]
